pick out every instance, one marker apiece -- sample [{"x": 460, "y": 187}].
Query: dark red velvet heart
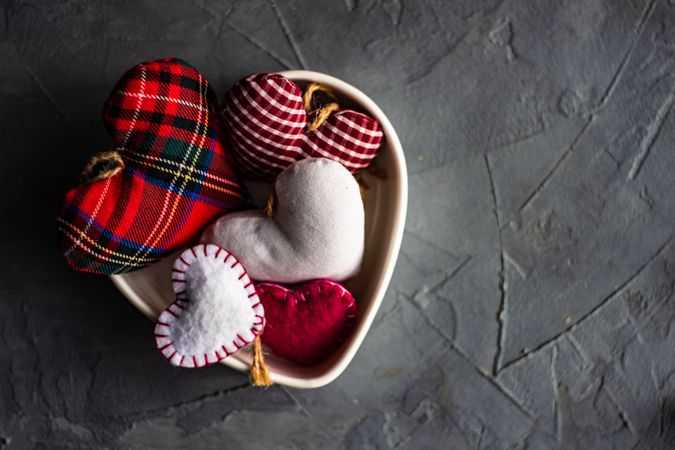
[{"x": 307, "y": 324}]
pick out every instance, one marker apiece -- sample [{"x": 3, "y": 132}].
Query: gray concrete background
[{"x": 532, "y": 305}]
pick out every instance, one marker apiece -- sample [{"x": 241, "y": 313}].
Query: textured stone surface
[{"x": 533, "y": 301}]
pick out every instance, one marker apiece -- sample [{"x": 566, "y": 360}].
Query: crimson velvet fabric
[{"x": 307, "y": 324}]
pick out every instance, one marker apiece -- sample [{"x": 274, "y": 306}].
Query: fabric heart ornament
[
  {"x": 268, "y": 127},
  {"x": 217, "y": 310},
  {"x": 316, "y": 230},
  {"x": 307, "y": 324},
  {"x": 175, "y": 174}
]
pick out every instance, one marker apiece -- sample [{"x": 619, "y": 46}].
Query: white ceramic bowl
[{"x": 386, "y": 200}]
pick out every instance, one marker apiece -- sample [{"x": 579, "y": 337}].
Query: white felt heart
[
  {"x": 317, "y": 230},
  {"x": 216, "y": 312}
]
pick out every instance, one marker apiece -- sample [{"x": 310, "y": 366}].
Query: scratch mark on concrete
[
  {"x": 431, "y": 67},
  {"x": 492, "y": 189},
  {"x": 257, "y": 45},
  {"x": 623, "y": 415},
  {"x": 447, "y": 338},
  {"x": 447, "y": 277},
  {"x": 296, "y": 401},
  {"x": 557, "y": 417},
  {"x": 653, "y": 130},
  {"x": 539, "y": 129},
  {"x": 413, "y": 263},
  {"x": 44, "y": 90},
  {"x": 450, "y": 342},
  {"x": 431, "y": 244},
  {"x": 589, "y": 314},
  {"x": 513, "y": 263},
  {"x": 505, "y": 392},
  {"x": 624, "y": 60},
  {"x": 603, "y": 100},
  {"x": 500, "y": 319},
  {"x": 289, "y": 36},
  {"x": 195, "y": 402},
  {"x": 544, "y": 182},
  {"x": 500, "y": 274}
]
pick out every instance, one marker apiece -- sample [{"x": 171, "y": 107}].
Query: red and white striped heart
[
  {"x": 267, "y": 124},
  {"x": 216, "y": 312}
]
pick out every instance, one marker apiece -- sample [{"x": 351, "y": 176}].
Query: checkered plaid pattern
[
  {"x": 266, "y": 120},
  {"x": 177, "y": 176}
]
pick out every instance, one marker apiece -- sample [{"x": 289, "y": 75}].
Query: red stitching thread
[
  {"x": 172, "y": 355},
  {"x": 178, "y": 270},
  {"x": 184, "y": 262},
  {"x": 164, "y": 324},
  {"x": 255, "y": 306},
  {"x": 205, "y": 253},
  {"x": 218, "y": 252},
  {"x": 235, "y": 264},
  {"x": 161, "y": 335},
  {"x": 252, "y": 294},
  {"x": 171, "y": 312},
  {"x": 226, "y": 258},
  {"x": 242, "y": 339},
  {"x": 249, "y": 283},
  {"x": 175, "y": 280},
  {"x": 193, "y": 252},
  {"x": 165, "y": 346},
  {"x": 226, "y": 352},
  {"x": 181, "y": 360}
]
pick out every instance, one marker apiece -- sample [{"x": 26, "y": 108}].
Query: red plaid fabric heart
[
  {"x": 266, "y": 120},
  {"x": 176, "y": 178}
]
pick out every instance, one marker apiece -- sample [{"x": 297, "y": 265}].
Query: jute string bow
[
  {"x": 259, "y": 374},
  {"x": 103, "y": 165}
]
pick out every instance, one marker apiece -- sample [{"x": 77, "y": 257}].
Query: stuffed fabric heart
[
  {"x": 317, "y": 230},
  {"x": 176, "y": 178},
  {"x": 307, "y": 324},
  {"x": 216, "y": 312},
  {"x": 266, "y": 121}
]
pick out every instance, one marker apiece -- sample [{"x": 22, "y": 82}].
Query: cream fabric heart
[{"x": 316, "y": 231}]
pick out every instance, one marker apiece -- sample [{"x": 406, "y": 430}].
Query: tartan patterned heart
[
  {"x": 267, "y": 123},
  {"x": 176, "y": 174}
]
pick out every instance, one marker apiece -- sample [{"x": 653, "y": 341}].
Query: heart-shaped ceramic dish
[{"x": 386, "y": 201}]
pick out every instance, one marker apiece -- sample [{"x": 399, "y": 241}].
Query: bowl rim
[{"x": 399, "y": 216}]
